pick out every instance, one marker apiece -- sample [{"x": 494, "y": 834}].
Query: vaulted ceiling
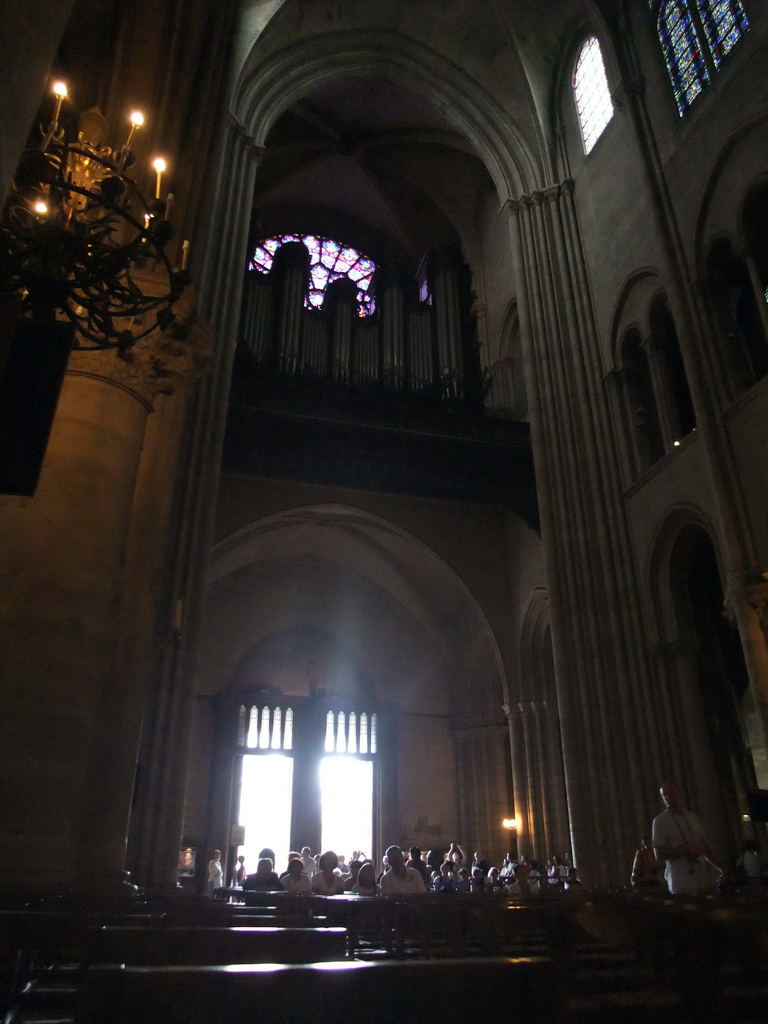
[{"x": 370, "y": 160}]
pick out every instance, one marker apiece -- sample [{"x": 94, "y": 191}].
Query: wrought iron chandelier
[{"x": 80, "y": 243}]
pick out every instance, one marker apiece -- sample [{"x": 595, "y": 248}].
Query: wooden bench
[
  {"x": 148, "y": 946},
  {"x": 493, "y": 991}
]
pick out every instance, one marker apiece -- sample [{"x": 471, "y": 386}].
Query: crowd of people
[
  {"x": 440, "y": 871},
  {"x": 676, "y": 858}
]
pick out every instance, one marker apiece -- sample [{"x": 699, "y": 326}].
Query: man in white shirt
[
  {"x": 215, "y": 873},
  {"x": 310, "y": 867},
  {"x": 400, "y": 880},
  {"x": 680, "y": 840}
]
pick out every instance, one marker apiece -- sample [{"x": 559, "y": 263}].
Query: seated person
[
  {"x": 400, "y": 880},
  {"x": 473, "y": 881},
  {"x": 366, "y": 881},
  {"x": 265, "y": 879},
  {"x": 294, "y": 879},
  {"x": 445, "y": 880},
  {"x": 434, "y": 859},
  {"x": 416, "y": 861},
  {"x": 493, "y": 882},
  {"x": 508, "y": 869},
  {"x": 351, "y": 878},
  {"x": 464, "y": 881},
  {"x": 534, "y": 879},
  {"x": 325, "y": 881}
]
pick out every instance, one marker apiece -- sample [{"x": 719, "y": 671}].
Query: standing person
[
  {"x": 481, "y": 861},
  {"x": 240, "y": 872},
  {"x": 309, "y": 862},
  {"x": 215, "y": 873},
  {"x": 680, "y": 840},
  {"x": 400, "y": 880},
  {"x": 646, "y": 869}
]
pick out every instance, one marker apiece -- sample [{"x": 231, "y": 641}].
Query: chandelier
[{"x": 80, "y": 242}]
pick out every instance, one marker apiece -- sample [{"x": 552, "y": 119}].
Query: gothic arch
[
  {"x": 537, "y": 755},
  {"x": 264, "y": 89},
  {"x": 740, "y": 160},
  {"x": 370, "y": 555},
  {"x": 679, "y": 522}
]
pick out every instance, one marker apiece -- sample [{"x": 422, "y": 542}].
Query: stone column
[
  {"x": 168, "y": 725},
  {"x": 69, "y": 730},
  {"x": 513, "y": 713},
  {"x": 599, "y": 661}
]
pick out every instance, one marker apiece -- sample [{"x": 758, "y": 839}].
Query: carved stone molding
[
  {"x": 536, "y": 199},
  {"x": 253, "y": 147}
]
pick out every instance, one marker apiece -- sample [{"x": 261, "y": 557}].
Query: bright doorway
[
  {"x": 265, "y": 808},
  {"x": 346, "y": 794}
]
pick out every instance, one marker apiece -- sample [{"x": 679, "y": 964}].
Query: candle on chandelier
[
  {"x": 60, "y": 92},
  {"x": 159, "y": 165},
  {"x": 184, "y": 254},
  {"x": 137, "y": 120}
]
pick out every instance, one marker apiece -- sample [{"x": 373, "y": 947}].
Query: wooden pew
[
  {"x": 494, "y": 991},
  {"x": 148, "y": 946}
]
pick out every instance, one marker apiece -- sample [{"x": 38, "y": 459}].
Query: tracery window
[
  {"x": 591, "y": 93},
  {"x": 355, "y": 734},
  {"x": 265, "y": 728},
  {"x": 695, "y": 36},
  {"x": 328, "y": 261},
  {"x": 725, "y": 22}
]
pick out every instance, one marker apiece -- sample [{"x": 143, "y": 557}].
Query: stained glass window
[
  {"x": 682, "y": 52},
  {"x": 591, "y": 92},
  {"x": 328, "y": 261},
  {"x": 724, "y": 24},
  {"x": 695, "y": 36}
]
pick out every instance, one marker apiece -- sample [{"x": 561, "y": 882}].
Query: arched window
[
  {"x": 695, "y": 36},
  {"x": 591, "y": 93},
  {"x": 725, "y": 22},
  {"x": 642, "y": 411},
  {"x": 737, "y": 309},
  {"x": 328, "y": 261}
]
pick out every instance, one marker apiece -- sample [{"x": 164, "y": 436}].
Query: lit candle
[
  {"x": 168, "y": 205},
  {"x": 60, "y": 92},
  {"x": 40, "y": 208},
  {"x": 159, "y": 164},
  {"x": 184, "y": 254},
  {"x": 137, "y": 120}
]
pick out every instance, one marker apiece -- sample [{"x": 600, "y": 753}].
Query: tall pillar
[
  {"x": 600, "y": 665},
  {"x": 168, "y": 725},
  {"x": 70, "y": 732}
]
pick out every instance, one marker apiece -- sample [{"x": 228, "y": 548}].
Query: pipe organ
[{"x": 424, "y": 346}]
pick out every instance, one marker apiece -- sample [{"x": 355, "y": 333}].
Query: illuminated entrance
[
  {"x": 301, "y": 773},
  {"x": 265, "y": 807}
]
